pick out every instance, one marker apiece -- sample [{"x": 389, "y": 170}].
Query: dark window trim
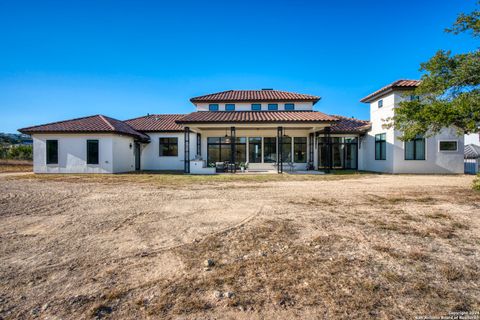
[
  {"x": 414, "y": 149},
  {"x": 213, "y": 107},
  {"x": 255, "y": 105},
  {"x": 48, "y": 159},
  {"x": 440, "y": 143},
  {"x": 291, "y": 106},
  {"x": 227, "y": 105},
  {"x": 169, "y": 144},
  {"x": 89, "y": 156},
  {"x": 272, "y": 107},
  {"x": 380, "y": 103},
  {"x": 300, "y": 143},
  {"x": 383, "y": 144}
]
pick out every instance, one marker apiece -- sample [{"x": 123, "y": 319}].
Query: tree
[{"x": 449, "y": 90}]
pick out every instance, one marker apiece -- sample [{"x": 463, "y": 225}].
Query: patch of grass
[
  {"x": 16, "y": 166},
  {"x": 476, "y": 183},
  {"x": 179, "y": 179}
]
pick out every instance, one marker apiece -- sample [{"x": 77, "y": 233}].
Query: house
[
  {"x": 268, "y": 129},
  {"x": 472, "y": 158}
]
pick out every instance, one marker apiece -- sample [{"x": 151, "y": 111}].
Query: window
[
  {"x": 270, "y": 149},
  {"x": 218, "y": 149},
  {"x": 340, "y": 153},
  {"x": 168, "y": 147},
  {"x": 52, "y": 151},
  {"x": 415, "y": 149},
  {"x": 92, "y": 151},
  {"x": 380, "y": 103},
  {"x": 380, "y": 146},
  {"x": 272, "y": 106},
  {"x": 256, "y": 107},
  {"x": 255, "y": 150},
  {"x": 300, "y": 149},
  {"x": 414, "y": 97},
  {"x": 286, "y": 149},
  {"x": 240, "y": 150},
  {"x": 289, "y": 106},
  {"x": 447, "y": 146},
  {"x": 229, "y": 107},
  {"x": 213, "y": 107}
]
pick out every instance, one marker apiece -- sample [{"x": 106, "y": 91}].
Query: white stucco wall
[
  {"x": 435, "y": 160},
  {"x": 72, "y": 153},
  {"x": 123, "y": 154},
  {"x": 151, "y": 159},
  {"x": 473, "y": 138},
  {"x": 248, "y": 106}
]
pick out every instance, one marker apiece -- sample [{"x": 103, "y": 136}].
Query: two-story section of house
[
  {"x": 262, "y": 130},
  {"x": 385, "y": 152}
]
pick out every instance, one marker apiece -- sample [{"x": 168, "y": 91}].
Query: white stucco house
[{"x": 266, "y": 129}]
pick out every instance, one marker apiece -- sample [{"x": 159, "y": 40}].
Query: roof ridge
[
  {"x": 107, "y": 122},
  {"x": 156, "y": 114}
]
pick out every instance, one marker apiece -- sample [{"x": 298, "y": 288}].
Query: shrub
[
  {"x": 19, "y": 152},
  {"x": 476, "y": 183}
]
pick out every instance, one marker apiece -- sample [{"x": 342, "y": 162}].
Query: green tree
[{"x": 449, "y": 90}]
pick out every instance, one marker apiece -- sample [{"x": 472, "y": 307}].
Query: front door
[{"x": 137, "y": 156}]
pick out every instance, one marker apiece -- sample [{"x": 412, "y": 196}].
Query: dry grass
[
  {"x": 15, "y": 166},
  {"x": 357, "y": 247}
]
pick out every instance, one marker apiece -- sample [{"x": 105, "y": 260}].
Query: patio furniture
[{"x": 220, "y": 166}]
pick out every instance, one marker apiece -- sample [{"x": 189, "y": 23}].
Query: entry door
[{"x": 137, "y": 156}]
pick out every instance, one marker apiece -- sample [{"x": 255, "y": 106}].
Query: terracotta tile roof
[
  {"x": 156, "y": 122},
  {"x": 472, "y": 151},
  {"x": 96, "y": 123},
  {"x": 255, "y": 117},
  {"x": 399, "y": 84},
  {"x": 350, "y": 125},
  {"x": 254, "y": 96}
]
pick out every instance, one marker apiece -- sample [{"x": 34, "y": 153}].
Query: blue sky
[{"x": 66, "y": 59}]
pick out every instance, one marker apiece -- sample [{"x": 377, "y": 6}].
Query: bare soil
[
  {"x": 307, "y": 247},
  {"x": 15, "y": 166}
]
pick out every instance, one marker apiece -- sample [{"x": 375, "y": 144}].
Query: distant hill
[{"x": 14, "y": 138}]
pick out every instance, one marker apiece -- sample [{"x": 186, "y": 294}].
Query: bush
[
  {"x": 476, "y": 183},
  {"x": 19, "y": 152}
]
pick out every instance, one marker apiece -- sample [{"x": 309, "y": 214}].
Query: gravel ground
[{"x": 353, "y": 246}]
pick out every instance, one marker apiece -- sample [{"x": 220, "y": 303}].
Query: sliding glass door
[{"x": 340, "y": 153}]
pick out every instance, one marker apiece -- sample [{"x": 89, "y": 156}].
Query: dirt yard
[
  {"x": 15, "y": 166},
  {"x": 282, "y": 247}
]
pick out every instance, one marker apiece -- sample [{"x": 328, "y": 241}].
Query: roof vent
[{"x": 265, "y": 89}]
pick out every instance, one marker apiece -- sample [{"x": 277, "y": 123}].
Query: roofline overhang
[
  {"x": 372, "y": 97},
  {"x": 193, "y": 100},
  {"x": 83, "y": 132}
]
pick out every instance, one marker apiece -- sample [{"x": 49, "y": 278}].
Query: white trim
[{"x": 448, "y": 140}]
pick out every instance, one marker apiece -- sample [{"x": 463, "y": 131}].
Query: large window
[
  {"x": 380, "y": 146},
  {"x": 213, "y": 107},
  {"x": 447, "y": 146},
  {"x": 255, "y": 150},
  {"x": 270, "y": 149},
  {"x": 300, "y": 149},
  {"x": 168, "y": 147},
  {"x": 272, "y": 106},
  {"x": 241, "y": 150},
  {"x": 218, "y": 149},
  {"x": 52, "y": 151},
  {"x": 415, "y": 149},
  {"x": 340, "y": 153},
  {"x": 256, "y": 107},
  {"x": 289, "y": 106},
  {"x": 92, "y": 151},
  {"x": 287, "y": 149},
  {"x": 229, "y": 107}
]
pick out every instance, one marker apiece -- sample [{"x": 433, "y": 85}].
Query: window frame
[
  {"x": 295, "y": 143},
  {"x": 415, "y": 149},
  {"x": 272, "y": 107},
  {"x": 213, "y": 107},
  {"x": 48, "y": 159},
  {"x": 254, "y": 106},
  {"x": 380, "y": 103},
  {"x": 440, "y": 142},
  {"x": 89, "y": 161},
  {"x": 289, "y": 106},
  {"x": 231, "y": 105},
  {"x": 383, "y": 144},
  {"x": 169, "y": 144}
]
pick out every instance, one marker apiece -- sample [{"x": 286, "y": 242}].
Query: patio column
[
  {"x": 199, "y": 145},
  {"x": 328, "y": 149},
  {"x": 280, "y": 150},
  {"x": 233, "y": 145},
  {"x": 310, "y": 150},
  {"x": 186, "y": 144}
]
